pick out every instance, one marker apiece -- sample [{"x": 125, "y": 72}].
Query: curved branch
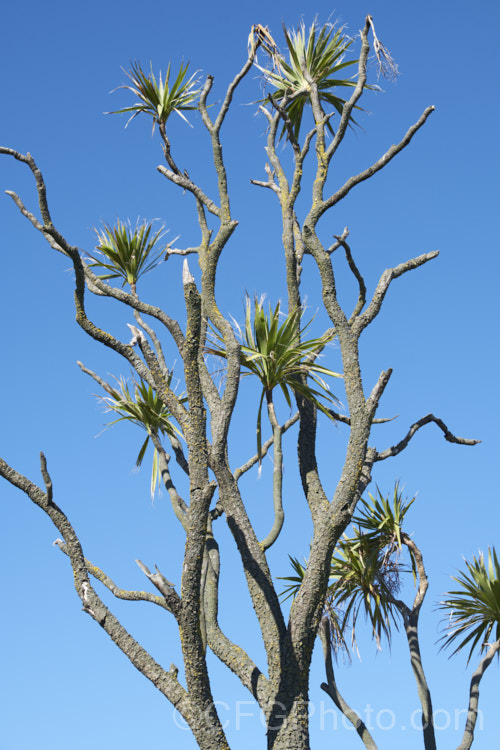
[
  {"x": 449, "y": 436},
  {"x": 265, "y": 447},
  {"x": 178, "y": 504},
  {"x": 234, "y": 83},
  {"x": 40, "y": 184},
  {"x": 330, "y": 688},
  {"x": 156, "y": 343},
  {"x": 34, "y": 221},
  {"x": 279, "y": 515},
  {"x": 410, "y": 619},
  {"x": 377, "y": 391},
  {"x": 470, "y": 725},
  {"x": 234, "y": 657}
]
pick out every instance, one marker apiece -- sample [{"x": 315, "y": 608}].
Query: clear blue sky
[{"x": 62, "y": 683}]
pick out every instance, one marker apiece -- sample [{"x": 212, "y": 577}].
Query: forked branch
[
  {"x": 166, "y": 682},
  {"x": 373, "y": 309},
  {"x": 132, "y": 596}
]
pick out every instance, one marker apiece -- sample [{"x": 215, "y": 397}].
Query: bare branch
[
  {"x": 34, "y": 221},
  {"x": 99, "y": 575},
  {"x": 449, "y": 436},
  {"x": 187, "y": 184},
  {"x": 165, "y": 587},
  {"x": 279, "y": 515},
  {"x": 132, "y": 300},
  {"x": 166, "y": 682},
  {"x": 265, "y": 447},
  {"x": 341, "y": 242},
  {"x": 178, "y": 504},
  {"x": 271, "y": 184},
  {"x": 356, "y": 94},
  {"x": 234, "y": 83},
  {"x": 105, "y": 386},
  {"x": 156, "y": 343},
  {"x": 423, "y": 583},
  {"x": 330, "y": 688},
  {"x": 162, "y": 126},
  {"x": 46, "y": 477},
  {"x": 377, "y": 166},
  {"x": 470, "y": 725},
  {"x": 179, "y": 251},
  {"x": 234, "y": 657},
  {"x": 360, "y": 323},
  {"x": 347, "y": 420},
  {"x": 40, "y": 184},
  {"x": 378, "y": 390}
]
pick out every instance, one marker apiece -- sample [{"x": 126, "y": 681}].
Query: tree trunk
[{"x": 288, "y": 724}]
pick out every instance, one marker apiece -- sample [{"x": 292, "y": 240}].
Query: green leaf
[
  {"x": 474, "y": 608},
  {"x": 318, "y": 55},
  {"x": 273, "y": 350},
  {"x": 128, "y": 253},
  {"x": 295, "y": 581},
  {"x": 158, "y": 99},
  {"x": 142, "y": 406}
]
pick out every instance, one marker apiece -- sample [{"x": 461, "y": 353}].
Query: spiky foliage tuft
[
  {"x": 294, "y": 581},
  {"x": 127, "y": 253},
  {"x": 142, "y": 406},
  {"x": 474, "y": 608},
  {"x": 365, "y": 573},
  {"x": 381, "y": 519},
  {"x": 316, "y": 56},
  {"x": 275, "y": 353},
  {"x": 159, "y": 99},
  {"x": 364, "y": 580}
]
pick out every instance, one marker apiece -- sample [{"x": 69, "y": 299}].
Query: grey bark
[{"x": 282, "y": 694}]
